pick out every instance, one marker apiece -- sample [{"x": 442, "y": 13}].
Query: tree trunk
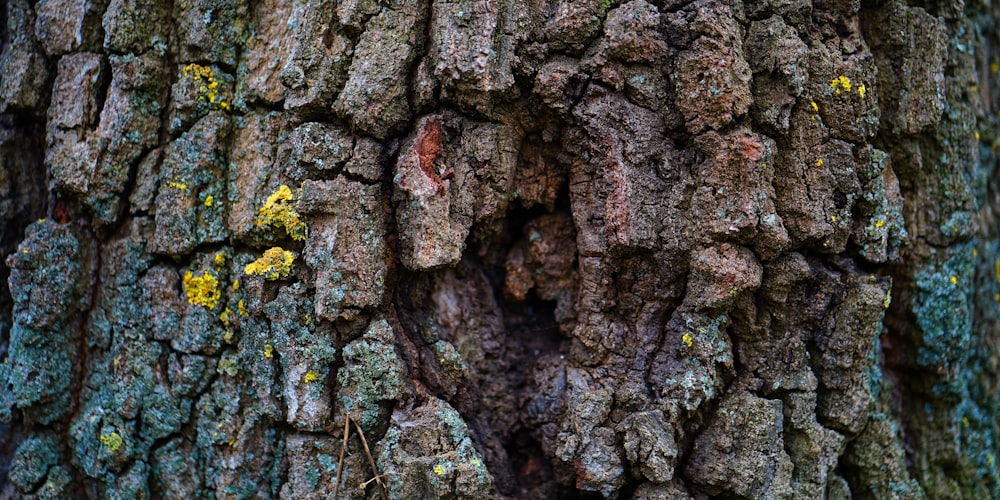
[{"x": 565, "y": 249}]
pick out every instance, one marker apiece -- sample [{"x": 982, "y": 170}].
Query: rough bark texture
[{"x": 533, "y": 249}]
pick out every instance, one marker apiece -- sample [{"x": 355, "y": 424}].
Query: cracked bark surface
[{"x": 569, "y": 249}]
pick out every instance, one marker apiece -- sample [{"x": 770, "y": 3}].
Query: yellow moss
[
  {"x": 202, "y": 290},
  {"x": 112, "y": 441},
  {"x": 840, "y": 83},
  {"x": 276, "y": 263},
  {"x": 687, "y": 339},
  {"x": 278, "y": 212},
  {"x": 311, "y": 376}
]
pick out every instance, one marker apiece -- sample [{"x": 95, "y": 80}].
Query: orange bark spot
[{"x": 428, "y": 146}]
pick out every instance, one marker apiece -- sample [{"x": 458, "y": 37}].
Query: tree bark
[{"x": 568, "y": 249}]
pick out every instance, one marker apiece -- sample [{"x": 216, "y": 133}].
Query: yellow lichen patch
[
  {"x": 268, "y": 351},
  {"x": 112, "y": 441},
  {"x": 879, "y": 223},
  {"x": 687, "y": 339},
  {"x": 228, "y": 336},
  {"x": 840, "y": 83},
  {"x": 227, "y": 366},
  {"x": 278, "y": 212},
  {"x": 220, "y": 259},
  {"x": 274, "y": 264},
  {"x": 996, "y": 269},
  {"x": 994, "y": 67},
  {"x": 202, "y": 290},
  {"x": 241, "y": 308},
  {"x": 887, "y": 300},
  {"x": 819, "y": 162},
  {"x": 976, "y": 134},
  {"x": 208, "y": 86},
  {"x": 954, "y": 280},
  {"x": 862, "y": 90},
  {"x": 178, "y": 185},
  {"x": 833, "y": 218},
  {"x": 226, "y": 316},
  {"x": 236, "y": 284},
  {"x": 815, "y": 107},
  {"x": 209, "y": 200},
  {"x": 439, "y": 469},
  {"x": 311, "y": 376}
]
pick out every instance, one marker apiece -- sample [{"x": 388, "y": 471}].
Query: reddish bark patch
[
  {"x": 61, "y": 213},
  {"x": 428, "y": 146}
]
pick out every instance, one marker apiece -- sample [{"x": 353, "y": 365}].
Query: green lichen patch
[
  {"x": 48, "y": 276},
  {"x": 428, "y": 453},
  {"x": 372, "y": 376},
  {"x": 194, "y": 168},
  {"x": 943, "y": 308},
  {"x": 32, "y": 460}
]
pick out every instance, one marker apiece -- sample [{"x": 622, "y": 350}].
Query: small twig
[
  {"x": 371, "y": 461},
  {"x": 343, "y": 449},
  {"x": 366, "y": 483}
]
